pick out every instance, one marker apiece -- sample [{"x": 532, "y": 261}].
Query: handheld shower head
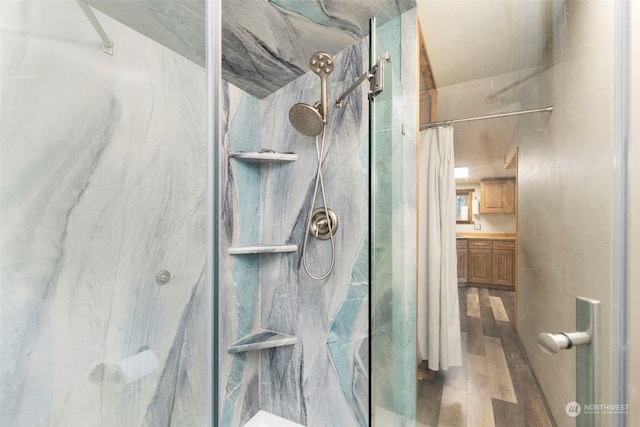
[
  {"x": 321, "y": 63},
  {"x": 310, "y": 120}
]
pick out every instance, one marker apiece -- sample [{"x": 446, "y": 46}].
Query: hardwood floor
[{"x": 495, "y": 387}]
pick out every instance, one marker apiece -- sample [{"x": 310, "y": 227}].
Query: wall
[
  {"x": 103, "y": 185},
  {"x": 323, "y": 378},
  {"x": 491, "y": 223},
  {"x": 565, "y": 184},
  {"x": 634, "y": 221}
]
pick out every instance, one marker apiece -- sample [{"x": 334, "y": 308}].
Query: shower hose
[{"x": 319, "y": 179}]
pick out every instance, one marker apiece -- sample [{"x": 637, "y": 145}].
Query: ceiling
[{"x": 482, "y": 53}]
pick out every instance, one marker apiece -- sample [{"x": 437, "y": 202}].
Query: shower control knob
[{"x": 321, "y": 226}]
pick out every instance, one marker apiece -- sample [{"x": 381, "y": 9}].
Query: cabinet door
[
  {"x": 497, "y": 196},
  {"x": 480, "y": 261},
  {"x": 461, "y": 246},
  {"x": 503, "y": 263}
]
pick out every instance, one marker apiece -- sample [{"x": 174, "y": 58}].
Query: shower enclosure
[
  {"x": 293, "y": 345},
  {"x": 151, "y": 276}
]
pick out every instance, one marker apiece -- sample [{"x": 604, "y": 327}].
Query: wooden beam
[
  {"x": 428, "y": 95},
  {"x": 433, "y": 94},
  {"x": 425, "y": 64}
]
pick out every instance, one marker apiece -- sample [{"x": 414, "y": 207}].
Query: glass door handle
[
  {"x": 586, "y": 341},
  {"x": 553, "y": 343}
]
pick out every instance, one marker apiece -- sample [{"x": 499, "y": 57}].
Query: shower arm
[
  {"x": 339, "y": 101},
  {"x": 375, "y": 77}
]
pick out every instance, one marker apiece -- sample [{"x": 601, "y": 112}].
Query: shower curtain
[{"x": 438, "y": 311}]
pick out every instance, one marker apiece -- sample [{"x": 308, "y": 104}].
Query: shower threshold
[{"x": 267, "y": 419}]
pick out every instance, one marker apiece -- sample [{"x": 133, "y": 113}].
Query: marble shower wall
[
  {"x": 322, "y": 380},
  {"x": 267, "y": 43},
  {"x": 103, "y": 184}
]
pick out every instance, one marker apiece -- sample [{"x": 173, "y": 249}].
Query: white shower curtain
[{"x": 438, "y": 311}]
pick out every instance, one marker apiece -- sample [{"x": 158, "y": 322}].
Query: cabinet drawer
[
  {"x": 504, "y": 244},
  {"x": 461, "y": 244},
  {"x": 480, "y": 245}
]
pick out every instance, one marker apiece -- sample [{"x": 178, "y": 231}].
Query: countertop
[{"x": 486, "y": 236}]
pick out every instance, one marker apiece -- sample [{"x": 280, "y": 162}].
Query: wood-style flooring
[{"x": 496, "y": 386}]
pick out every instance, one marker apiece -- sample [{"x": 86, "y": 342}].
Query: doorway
[{"x": 495, "y": 57}]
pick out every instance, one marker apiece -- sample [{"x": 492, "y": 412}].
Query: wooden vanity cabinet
[
  {"x": 461, "y": 253},
  {"x": 480, "y": 261},
  {"x": 498, "y": 196},
  {"x": 486, "y": 261},
  {"x": 503, "y": 260}
]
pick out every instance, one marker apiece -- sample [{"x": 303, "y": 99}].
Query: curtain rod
[{"x": 493, "y": 116}]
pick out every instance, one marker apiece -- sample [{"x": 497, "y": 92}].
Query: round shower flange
[{"x": 319, "y": 226}]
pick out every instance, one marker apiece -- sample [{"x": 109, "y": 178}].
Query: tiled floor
[{"x": 496, "y": 386}]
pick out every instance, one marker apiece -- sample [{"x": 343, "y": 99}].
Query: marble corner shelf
[
  {"x": 267, "y": 419},
  {"x": 264, "y": 156},
  {"x": 261, "y": 339},
  {"x": 262, "y": 248}
]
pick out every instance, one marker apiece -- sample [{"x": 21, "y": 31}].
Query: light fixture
[{"x": 461, "y": 172}]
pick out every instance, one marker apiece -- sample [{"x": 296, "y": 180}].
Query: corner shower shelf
[
  {"x": 261, "y": 248},
  {"x": 264, "y": 156},
  {"x": 261, "y": 339}
]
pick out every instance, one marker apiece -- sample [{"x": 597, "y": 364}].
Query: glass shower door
[
  {"x": 393, "y": 227},
  {"x": 103, "y": 190}
]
